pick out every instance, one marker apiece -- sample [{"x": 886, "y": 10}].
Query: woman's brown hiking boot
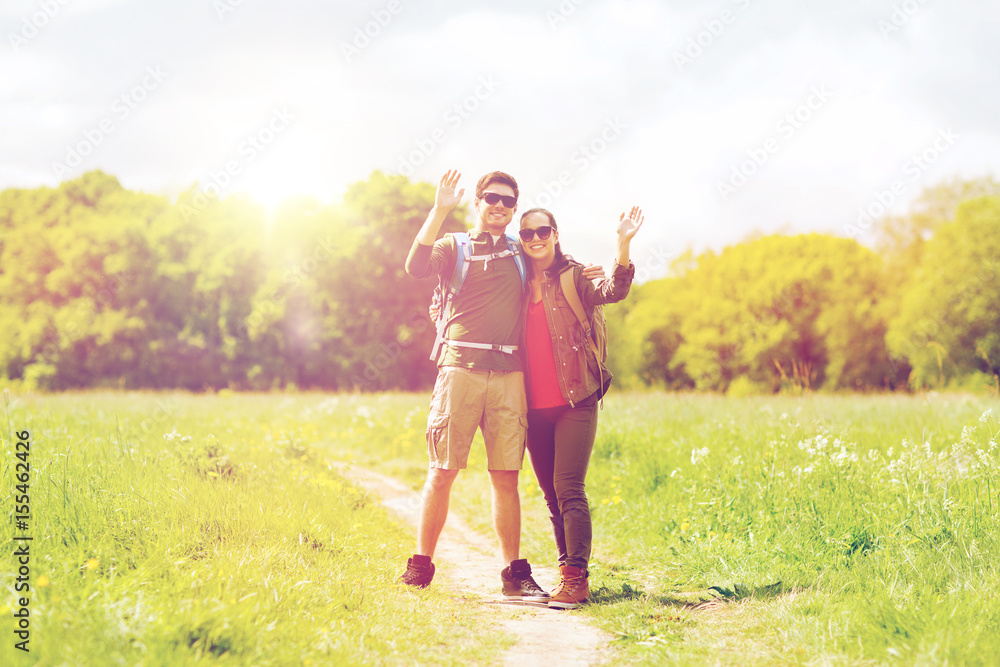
[{"x": 573, "y": 588}]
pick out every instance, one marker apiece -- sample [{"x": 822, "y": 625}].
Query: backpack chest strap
[{"x": 485, "y": 259}]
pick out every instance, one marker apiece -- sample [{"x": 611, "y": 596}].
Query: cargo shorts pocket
[
  {"x": 514, "y": 454},
  {"x": 437, "y": 429}
]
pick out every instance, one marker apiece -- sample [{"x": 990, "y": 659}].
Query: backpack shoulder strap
[
  {"x": 463, "y": 255},
  {"x": 515, "y": 247},
  {"x": 573, "y": 298},
  {"x": 568, "y": 286},
  {"x": 449, "y": 289}
]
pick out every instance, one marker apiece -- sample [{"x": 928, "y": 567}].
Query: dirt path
[{"x": 468, "y": 560}]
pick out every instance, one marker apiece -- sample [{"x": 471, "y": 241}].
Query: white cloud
[{"x": 556, "y": 88}]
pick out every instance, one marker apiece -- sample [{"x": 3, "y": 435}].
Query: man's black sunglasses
[
  {"x": 492, "y": 198},
  {"x": 544, "y": 232}
]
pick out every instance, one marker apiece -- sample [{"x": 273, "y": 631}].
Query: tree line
[
  {"x": 917, "y": 306},
  {"x": 101, "y": 286}
]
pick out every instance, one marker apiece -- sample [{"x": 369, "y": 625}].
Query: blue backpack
[{"x": 463, "y": 262}]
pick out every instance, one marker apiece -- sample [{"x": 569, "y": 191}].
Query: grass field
[{"x": 175, "y": 528}]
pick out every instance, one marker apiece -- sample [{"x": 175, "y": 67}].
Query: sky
[{"x": 721, "y": 119}]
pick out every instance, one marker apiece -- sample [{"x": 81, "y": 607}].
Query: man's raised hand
[{"x": 445, "y": 198}]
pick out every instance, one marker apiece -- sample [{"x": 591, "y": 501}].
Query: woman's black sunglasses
[
  {"x": 492, "y": 198},
  {"x": 544, "y": 232}
]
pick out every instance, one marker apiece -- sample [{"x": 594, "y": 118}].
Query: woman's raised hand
[{"x": 629, "y": 223}]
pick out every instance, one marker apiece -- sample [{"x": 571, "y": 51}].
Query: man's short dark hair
[{"x": 495, "y": 177}]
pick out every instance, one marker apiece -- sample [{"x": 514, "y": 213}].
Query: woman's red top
[{"x": 544, "y": 391}]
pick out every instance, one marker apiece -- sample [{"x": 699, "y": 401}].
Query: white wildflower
[
  {"x": 807, "y": 446},
  {"x": 843, "y": 457},
  {"x": 986, "y": 415},
  {"x": 697, "y": 455}
]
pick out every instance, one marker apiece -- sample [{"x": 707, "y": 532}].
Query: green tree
[
  {"x": 71, "y": 258},
  {"x": 387, "y": 326},
  {"x": 948, "y": 324},
  {"x": 209, "y": 267},
  {"x": 345, "y": 314},
  {"x": 793, "y": 310}
]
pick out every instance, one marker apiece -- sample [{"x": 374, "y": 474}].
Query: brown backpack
[{"x": 596, "y": 331}]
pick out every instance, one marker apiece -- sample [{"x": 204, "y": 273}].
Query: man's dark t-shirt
[{"x": 487, "y": 308}]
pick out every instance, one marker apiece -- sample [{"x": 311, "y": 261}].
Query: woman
[{"x": 563, "y": 378}]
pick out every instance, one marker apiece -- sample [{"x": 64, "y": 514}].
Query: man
[{"x": 480, "y": 381}]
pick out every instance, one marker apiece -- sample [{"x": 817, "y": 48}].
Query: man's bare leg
[
  {"x": 434, "y": 509},
  {"x": 507, "y": 513}
]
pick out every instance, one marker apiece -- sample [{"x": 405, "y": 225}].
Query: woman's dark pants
[{"x": 560, "y": 441}]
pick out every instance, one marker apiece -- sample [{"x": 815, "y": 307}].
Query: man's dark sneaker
[
  {"x": 419, "y": 571},
  {"x": 518, "y": 584}
]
